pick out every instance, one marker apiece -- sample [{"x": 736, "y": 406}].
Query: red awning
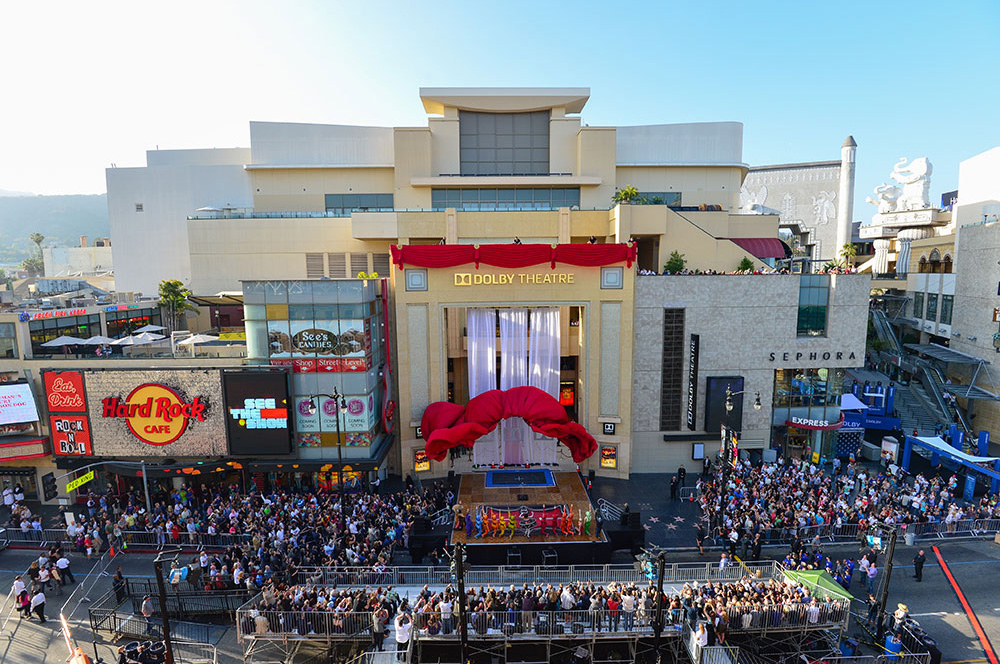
[
  {"x": 512, "y": 256},
  {"x": 763, "y": 247}
]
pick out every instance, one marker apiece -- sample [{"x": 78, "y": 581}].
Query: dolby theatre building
[{"x": 411, "y": 266}]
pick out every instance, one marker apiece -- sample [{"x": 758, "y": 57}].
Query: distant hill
[
  {"x": 61, "y": 219},
  {"x": 8, "y": 192}
]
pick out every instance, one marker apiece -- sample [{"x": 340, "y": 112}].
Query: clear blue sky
[{"x": 103, "y": 82}]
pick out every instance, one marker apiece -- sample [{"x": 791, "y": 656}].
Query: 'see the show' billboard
[{"x": 257, "y": 413}]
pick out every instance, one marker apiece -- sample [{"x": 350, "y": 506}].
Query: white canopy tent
[
  {"x": 148, "y": 328},
  {"x": 64, "y": 341},
  {"x": 939, "y": 444},
  {"x": 139, "y": 339},
  {"x": 197, "y": 339}
]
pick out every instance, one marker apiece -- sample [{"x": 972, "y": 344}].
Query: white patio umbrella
[
  {"x": 139, "y": 339},
  {"x": 148, "y": 328},
  {"x": 99, "y": 340},
  {"x": 64, "y": 341},
  {"x": 197, "y": 339}
]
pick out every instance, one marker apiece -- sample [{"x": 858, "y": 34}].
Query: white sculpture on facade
[
  {"x": 886, "y": 196},
  {"x": 753, "y": 202},
  {"x": 824, "y": 211},
  {"x": 916, "y": 180}
]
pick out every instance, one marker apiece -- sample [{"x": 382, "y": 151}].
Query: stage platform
[{"x": 528, "y": 539}]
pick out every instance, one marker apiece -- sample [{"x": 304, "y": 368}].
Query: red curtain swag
[
  {"x": 446, "y": 425},
  {"x": 512, "y": 256}
]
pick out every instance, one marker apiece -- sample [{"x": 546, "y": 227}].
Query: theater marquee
[{"x": 474, "y": 279}]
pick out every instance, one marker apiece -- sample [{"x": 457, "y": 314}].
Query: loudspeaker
[
  {"x": 451, "y": 478},
  {"x": 590, "y": 476},
  {"x": 508, "y": 629},
  {"x": 634, "y": 520},
  {"x": 421, "y": 525},
  {"x": 558, "y": 628},
  {"x": 577, "y": 628}
]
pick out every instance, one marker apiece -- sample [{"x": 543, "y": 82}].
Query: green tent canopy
[{"x": 820, "y": 582}]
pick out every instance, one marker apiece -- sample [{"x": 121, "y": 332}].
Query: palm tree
[
  {"x": 37, "y": 238},
  {"x": 847, "y": 252}
]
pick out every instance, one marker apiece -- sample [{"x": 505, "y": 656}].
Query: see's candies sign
[{"x": 155, "y": 414}]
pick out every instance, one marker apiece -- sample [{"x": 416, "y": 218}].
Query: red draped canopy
[
  {"x": 446, "y": 425},
  {"x": 512, "y": 256}
]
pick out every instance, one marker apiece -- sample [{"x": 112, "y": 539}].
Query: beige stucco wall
[
  {"x": 978, "y": 249},
  {"x": 225, "y": 251},
  {"x": 711, "y": 185},
  {"x": 280, "y": 190},
  {"x": 741, "y": 320},
  {"x": 596, "y": 158}
]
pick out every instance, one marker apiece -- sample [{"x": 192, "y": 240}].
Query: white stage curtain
[
  {"x": 543, "y": 361},
  {"x": 515, "y": 434},
  {"x": 481, "y": 328}
]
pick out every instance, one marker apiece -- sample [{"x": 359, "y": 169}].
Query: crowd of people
[
  {"x": 258, "y": 536},
  {"x": 708, "y": 608},
  {"x": 832, "y": 269},
  {"x": 50, "y": 573},
  {"x": 794, "y": 500}
]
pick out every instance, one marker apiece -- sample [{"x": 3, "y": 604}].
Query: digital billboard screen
[
  {"x": 17, "y": 405},
  {"x": 257, "y": 412}
]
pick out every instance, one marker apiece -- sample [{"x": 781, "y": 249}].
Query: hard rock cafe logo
[{"x": 154, "y": 413}]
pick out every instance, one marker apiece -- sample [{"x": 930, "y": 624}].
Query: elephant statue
[
  {"x": 886, "y": 196},
  {"x": 915, "y": 177}
]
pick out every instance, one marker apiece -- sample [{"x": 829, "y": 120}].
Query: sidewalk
[{"x": 668, "y": 523}]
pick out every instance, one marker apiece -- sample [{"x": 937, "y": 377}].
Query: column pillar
[
  {"x": 903, "y": 242},
  {"x": 881, "y": 265}
]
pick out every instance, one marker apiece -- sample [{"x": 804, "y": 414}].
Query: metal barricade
[
  {"x": 987, "y": 526},
  {"x": 494, "y": 576}
]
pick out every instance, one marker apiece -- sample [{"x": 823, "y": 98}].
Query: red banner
[
  {"x": 446, "y": 425},
  {"x": 512, "y": 256},
  {"x": 64, "y": 392}
]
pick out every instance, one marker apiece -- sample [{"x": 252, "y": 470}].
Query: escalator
[{"x": 885, "y": 333}]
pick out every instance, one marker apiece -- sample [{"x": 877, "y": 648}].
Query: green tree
[
  {"x": 745, "y": 264},
  {"x": 627, "y": 194},
  {"x": 37, "y": 238},
  {"x": 847, "y": 252},
  {"x": 675, "y": 263},
  {"x": 34, "y": 265},
  {"x": 174, "y": 298}
]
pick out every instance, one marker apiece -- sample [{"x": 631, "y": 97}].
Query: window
[
  {"x": 314, "y": 266},
  {"x": 138, "y": 207},
  {"x": 814, "y": 294},
  {"x": 947, "y": 301},
  {"x": 612, "y": 277},
  {"x": 673, "y": 380},
  {"x": 359, "y": 264},
  {"x": 338, "y": 265},
  {"x": 344, "y": 204},
  {"x": 932, "y": 307},
  {"x": 668, "y": 198},
  {"x": 8, "y": 341},
  {"x": 918, "y": 305},
  {"x": 504, "y": 143},
  {"x": 505, "y": 199}
]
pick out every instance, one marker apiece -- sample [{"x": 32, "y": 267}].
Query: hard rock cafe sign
[{"x": 154, "y": 413}]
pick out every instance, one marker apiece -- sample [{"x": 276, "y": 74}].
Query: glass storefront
[
  {"x": 48, "y": 329},
  {"x": 122, "y": 323},
  {"x": 811, "y": 399},
  {"x": 331, "y": 333}
]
